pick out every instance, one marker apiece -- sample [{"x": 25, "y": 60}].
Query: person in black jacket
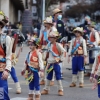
[{"x": 58, "y": 23}]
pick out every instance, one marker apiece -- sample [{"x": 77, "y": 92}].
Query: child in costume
[
  {"x": 95, "y": 74},
  {"x": 55, "y": 54},
  {"x": 34, "y": 65},
  {"x": 13, "y": 71},
  {"x": 93, "y": 42},
  {"x": 44, "y": 41},
  {"x": 14, "y": 60},
  {"x": 78, "y": 52},
  {"x": 5, "y": 58}
]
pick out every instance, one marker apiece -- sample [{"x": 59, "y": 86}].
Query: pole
[
  {"x": 43, "y": 15},
  {"x": 0, "y": 4}
]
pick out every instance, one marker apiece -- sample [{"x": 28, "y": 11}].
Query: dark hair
[
  {"x": 35, "y": 44},
  {"x": 3, "y": 22}
]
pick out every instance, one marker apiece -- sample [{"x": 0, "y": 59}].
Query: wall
[
  {"x": 5, "y": 7},
  {"x": 13, "y": 13}
]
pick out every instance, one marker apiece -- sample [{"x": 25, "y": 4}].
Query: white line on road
[
  {"x": 9, "y": 88},
  {"x": 18, "y": 98}
]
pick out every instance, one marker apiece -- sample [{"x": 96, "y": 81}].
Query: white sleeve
[
  {"x": 8, "y": 53},
  {"x": 61, "y": 47},
  {"x": 84, "y": 47},
  {"x": 40, "y": 61},
  {"x": 70, "y": 48},
  {"x": 98, "y": 71},
  {"x": 94, "y": 65},
  {"x": 96, "y": 38}
]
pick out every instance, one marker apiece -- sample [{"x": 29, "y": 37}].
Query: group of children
[
  {"x": 45, "y": 60},
  {"x": 48, "y": 61}
]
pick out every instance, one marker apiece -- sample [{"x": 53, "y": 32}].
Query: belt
[{"x": 33, "y": 69}]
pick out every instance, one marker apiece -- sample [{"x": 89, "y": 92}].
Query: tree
[
  {"x": 50, "y": 2},
  {"x": 79, "y": 9}
]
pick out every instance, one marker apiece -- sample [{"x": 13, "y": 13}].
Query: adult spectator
[{"x": 58, "y": 23}]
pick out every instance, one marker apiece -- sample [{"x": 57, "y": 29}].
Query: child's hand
[
  {"x": 41, "y": 74},
  {"x": 95, "y": 84},
  {"x": 22, "y": 72},
  {"x": 91, "y": 79}
]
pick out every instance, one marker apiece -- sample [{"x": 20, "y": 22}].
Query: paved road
[{"x": 76, "y": 93}]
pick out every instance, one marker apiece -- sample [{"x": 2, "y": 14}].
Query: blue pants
[
  {"x": 91, "y": 60},
  {"x": 4, "y": 85},
  {"x": 57, "y": 69},
  {"x": 35, "y": 82},
  {"x": 77, "y": 64},
  {"x": 99, "y": 90},
  {"x": 13, "y": 75}
]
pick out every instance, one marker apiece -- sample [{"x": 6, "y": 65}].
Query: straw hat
[
  {"x": 3, "y": 19},
  {"x": 57, "y": 10},
  {"x": 54, "y": 33},
  {"x": 91, "y": 25},
  {"x": 48, "y": 20},
  {"x": 78, "y": 29},
  {"x": 35, "y": 41}
]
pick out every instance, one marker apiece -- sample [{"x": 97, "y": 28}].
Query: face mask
[{"x": 59, "y": 17}]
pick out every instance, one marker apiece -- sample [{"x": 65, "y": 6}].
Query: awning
[{"x": 19, "y": 4}]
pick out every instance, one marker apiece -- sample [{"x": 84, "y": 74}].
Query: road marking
[
  {"x": 18, "y": 98},
  {"x": 9, "y": 88}
]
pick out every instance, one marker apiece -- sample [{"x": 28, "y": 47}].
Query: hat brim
[
  {"x": 78, "y": 31},
  {"x": 48, "y": 23},
  {"x": 57, "y": 12}
]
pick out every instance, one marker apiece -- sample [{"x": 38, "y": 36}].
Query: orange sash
[
  {"x": 92, "y": 37},
  {"x": 34, "y": 60}
]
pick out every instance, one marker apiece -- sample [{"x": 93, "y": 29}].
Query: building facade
[{"x": 12, "y": 9}]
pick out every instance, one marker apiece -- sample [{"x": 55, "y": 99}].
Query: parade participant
[
  {"x": 44, "y": 41},
  {"x": 95, "y": 74},
  {"x": 93, "y": 42},
  {"x": 78, "y": 51},
  {"x": 34, "y": 65},
  {"x": 13, "y": 71},
  {"x": 55, "y": 53},
  {"x": 58, "y": 23},
  {"x": 5, "y": 58},
  {"x": 14, "y": 59}
]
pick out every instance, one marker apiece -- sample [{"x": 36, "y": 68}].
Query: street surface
[{"x": 76, "y": 93}]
